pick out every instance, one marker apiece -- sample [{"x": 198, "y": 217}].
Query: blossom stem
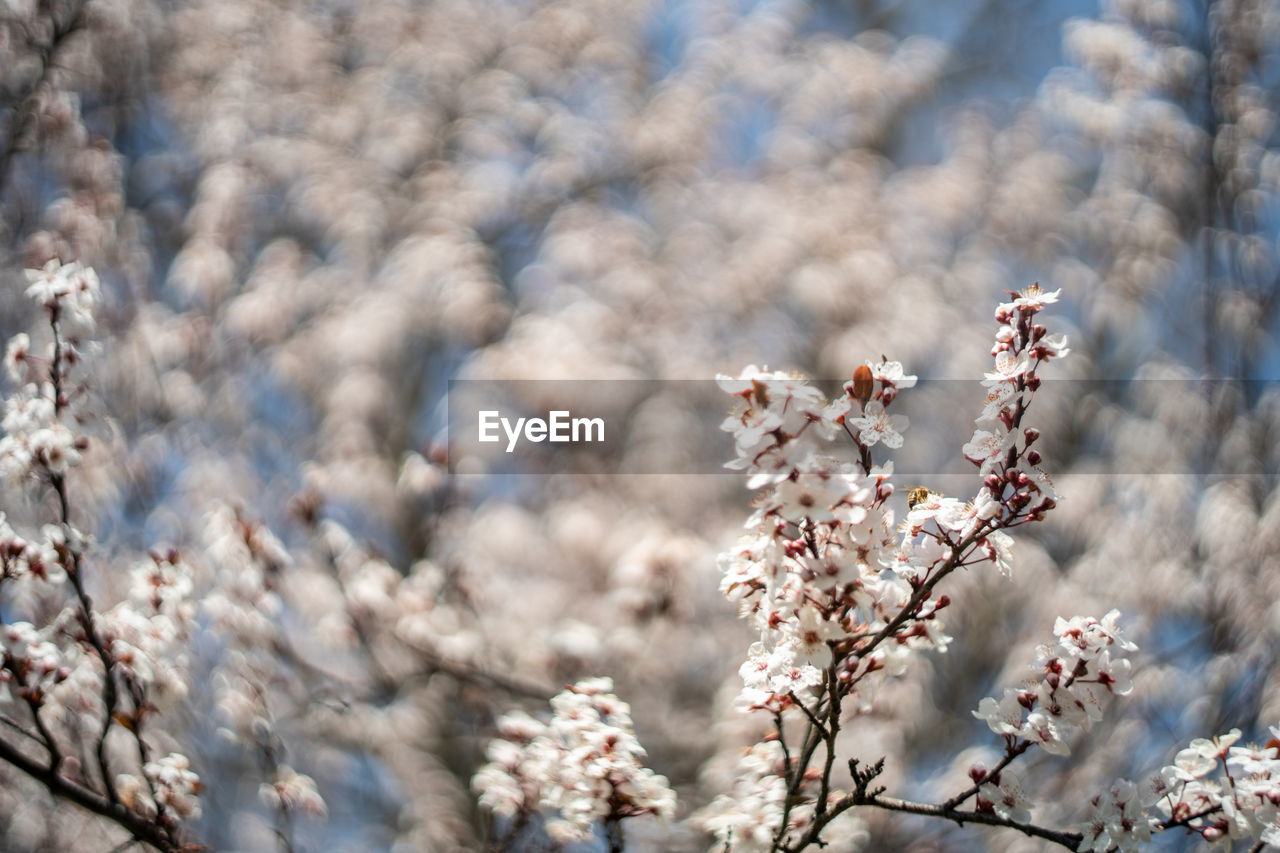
[{"x": 1011, "y": 753}]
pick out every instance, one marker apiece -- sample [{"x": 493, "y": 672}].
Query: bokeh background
[{"x": 309, "y": 217}]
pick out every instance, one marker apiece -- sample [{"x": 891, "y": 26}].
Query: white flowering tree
[{"x": 308, "y": 217}]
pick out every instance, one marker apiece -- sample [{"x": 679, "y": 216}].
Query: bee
[{"x": 918, "y": 494}]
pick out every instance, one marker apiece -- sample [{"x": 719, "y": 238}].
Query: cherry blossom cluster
[
  {"x": 842, "y": 599},
  {"x": 33, "y": 666},
  {"x": 1002, "y": 793},
  {"x": 754, "y": 815},
  {"x": 149, "y": 631},
  {"x": 292, "y": 791},
  {"x": 30, "y": 560},
  {"x": 167, "y": 783},
  {"x": 807, "y": 573},
  {"x": 1077, "y": 674},
  {"x": 820, "y": 572},
  {"x": 1213, "y": 788},
  {"x": 585, "y": 764},
  {"x": 1119, "y": 820},
  {"x": 41, "y": 420},
  {"x": 997, "y": 445},
  {"x": 76, "y": 673}
]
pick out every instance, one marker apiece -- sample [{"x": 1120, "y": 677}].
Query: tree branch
[{"x": 139, "y": 826}]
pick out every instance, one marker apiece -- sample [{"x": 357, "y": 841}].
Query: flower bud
[
  {"x": 1034, "y": 457},
  {"x": 1031, "y": 434},
  {"x": 863, "y": 384}
]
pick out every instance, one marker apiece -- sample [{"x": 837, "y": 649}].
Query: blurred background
[{"x": 310, "y": 217}]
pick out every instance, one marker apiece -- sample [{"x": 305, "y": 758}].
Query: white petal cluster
[
  {"x": 1119, "y": 821},
  {"x": 1005, "y": 796},
  {"x": 69, "y": 289},
  {"x": 811, "y": 569},
  {"x": 41, "y": 419},
  {"x": 33, "y": 665},
  {"x": 1213, "y": 788},
  {"x": 1222, "y": 791},
  {"x": 877, "y": 426},
  {"x": 244, "y": 555},
  {"x": 34, "y": 437},
  {"x": 776, "y": 422},
  {"x": 175, "y": 786},
  {"x": 28, "y": 560},
  {"x": 747, "y": 818},
  {"x": 1021, "y": 346},
  {"x": 585, "y": 764},
  {"x": 147, "y": 633},
  {"x": 294, "y": 792},
  {"x": 1077, "y": 674}
]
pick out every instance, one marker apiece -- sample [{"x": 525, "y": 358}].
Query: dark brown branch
[
  {"x": 71, "y": 558},
  {"x": 864, "y": 795},
  {"x": 960, "y": 551},
  {"x": 1013, "y": 751},
  {"x": 17, "y": 727},
  {"x": 1069, "y": 840},
  {"x": 139, "y": 826}
]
